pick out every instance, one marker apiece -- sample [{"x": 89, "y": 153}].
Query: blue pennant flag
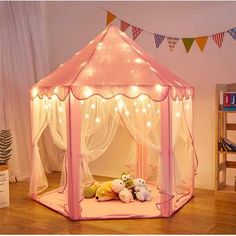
[
  {"x": 158, "y": 39},
  {"x": 232, "y": 32}
]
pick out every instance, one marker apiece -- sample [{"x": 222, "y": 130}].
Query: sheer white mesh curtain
[{"x": 23, "y": 61}]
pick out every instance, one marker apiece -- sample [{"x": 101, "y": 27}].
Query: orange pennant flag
[
  {"x": 201, "y": 42},
  {"x": 110, "y": 17}
]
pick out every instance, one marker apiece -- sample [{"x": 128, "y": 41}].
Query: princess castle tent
[{"x": 108, "y": 86}]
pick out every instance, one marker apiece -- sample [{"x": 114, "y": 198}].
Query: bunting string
[{"x": 201, "y": 41}]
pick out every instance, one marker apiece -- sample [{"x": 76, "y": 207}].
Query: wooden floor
[{"x": 203, "y": 214}]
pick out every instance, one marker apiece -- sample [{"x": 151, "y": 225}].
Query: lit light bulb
[
  {"x": 54, "y": 97},
  {"x": 89, "y": 71},
  {"x": 149, "y": 124},
  {"x": 60, "y": 109},
  {"x": 127, "y": 113},
  {"x": 148, "y": 105},
  {"x": 121, "y": 104},
  {"x": 138, "y": 60},
  {"x": 116, "y": 109},
  {"x": 56, "y": 90},
  {"x": 60, "y": 121},
  {"x": 45, "y": 107},
  {"x": 93, "y": 106},
  {"x": 88, "y": 92},
  {"x": 187, "y": 106},
  {"x": 177, "y": 114},
  {"x": 158, "y": 111},
  {"x": 142, "y": 97},
  {"x": 144, "y": 110},
  {"x": 81, "y": 102},
  {"x": 134, "y": 90},
  {"x": 97, "y": 120},
  {"x": 86, "y": 116},
  {"x": 117, "y": 97},
  {"x": 135, "y": 103},
  {"x": 136, "y": 110},
  {"x": 100, "y": 46},
  {"x": 124, "y": 46},
  {"x": 158, "y": 88},
  {"x": 35, "y": 92}
]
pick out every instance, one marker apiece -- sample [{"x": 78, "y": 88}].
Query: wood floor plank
[{"x": 203, "y": 214}]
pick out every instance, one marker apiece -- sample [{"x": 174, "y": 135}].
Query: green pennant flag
[{"x": 188, "y": 42}]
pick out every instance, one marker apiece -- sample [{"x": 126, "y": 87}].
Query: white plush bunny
[{"x": 141, "y": 191}]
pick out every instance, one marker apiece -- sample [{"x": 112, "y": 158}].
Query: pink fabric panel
[
  {"x": 112, "y": 64},
  {"x": 73, "y": 157},
  {"x": 66, "y": 73},
  {"x": 166, "y": 178}
]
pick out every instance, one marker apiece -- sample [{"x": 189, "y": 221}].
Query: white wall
[{"x": 70, "y": 25}]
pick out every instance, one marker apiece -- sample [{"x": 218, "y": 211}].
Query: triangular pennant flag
[
  {"x": 201, "y": 42},
  {"x": 188, "y": 42},
  {"x": 232, "y": 32},
  {"x": 136, "y": 32},
  {"x": 218, "y": 38},
  {"x": 124, "y": 25},
  {"x": 110, "y": 17},
  {"x": 158, "y": 39},
  {"x": 172, "y": 42}
]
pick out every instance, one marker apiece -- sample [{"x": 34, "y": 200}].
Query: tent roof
[{"x": 112, "y": 64}]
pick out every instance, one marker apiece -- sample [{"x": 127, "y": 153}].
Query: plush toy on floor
[
  {"x": 126, "y": 195},
  {"x": 127, "y": 180},
  {"x": 141, "y": 191},
  {"x": 109, "y": 190},
  {"x": 90, "y": 191}
]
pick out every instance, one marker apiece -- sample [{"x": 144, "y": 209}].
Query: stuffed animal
[
  {"x": 109, "y": 190},
  {"x": 126, "y": 196},
  {"x": 117, "y": 185},
  {"x": 90, "y": 191},
  {"x": 127, "y": 179},
  {"x": 141, "y": 191}
]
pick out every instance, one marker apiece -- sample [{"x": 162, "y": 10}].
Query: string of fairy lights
[{"x": 143, "y": 104}]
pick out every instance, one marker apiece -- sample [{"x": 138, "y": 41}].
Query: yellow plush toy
[{"x": 109, "y": 190}]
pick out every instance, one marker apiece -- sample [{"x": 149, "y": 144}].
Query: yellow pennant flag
[
  {"x": 201, "y": 42},
  {"x": 110, "y": 17}
]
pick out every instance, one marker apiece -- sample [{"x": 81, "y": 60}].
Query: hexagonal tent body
[{"x": 109, "y": 94}]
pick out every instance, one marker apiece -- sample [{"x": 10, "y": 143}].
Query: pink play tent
[{"x": 110, "y": 93}]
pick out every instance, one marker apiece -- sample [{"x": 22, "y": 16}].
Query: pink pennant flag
[
  {"x": 172, "y": 42},
  {"x": 124, "y": 25},
  {"x": 218, "y": 38},
  {"x": 136, "y": 32}
]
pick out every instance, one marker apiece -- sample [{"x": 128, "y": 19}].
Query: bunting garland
[
  {"x": 188, "y": 42},
  {"x": 218, "y": 38},
  {"x": 124, "y": 25},
  {"x": 201, "y": 42},
  {"x": 158, "y": 39},
  {"x": 136, "y": 32},
  {"x": 172, "y": 41},
  {"x": 232, "y": 32},
  {"x": 110, "y": 17}
]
